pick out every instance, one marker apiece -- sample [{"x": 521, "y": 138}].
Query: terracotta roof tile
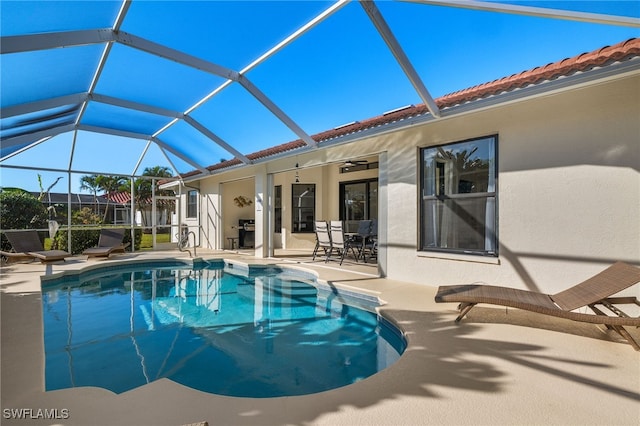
[
  {"x": 119, "y": 197},
  {"x": 565, "y": 67},
  {"x": 125, "y": 198}
]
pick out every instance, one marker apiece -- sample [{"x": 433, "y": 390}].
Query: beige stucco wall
[{"x": 568, "y": 188}]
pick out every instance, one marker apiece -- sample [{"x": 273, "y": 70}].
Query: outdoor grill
[{"x": 246, "y": 233}]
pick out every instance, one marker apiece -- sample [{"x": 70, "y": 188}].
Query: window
[
  {"x": 192, "y": 204},
  {"x": 303, "y": 202},
  {"x": 458, "y": 206},
  {"x": 277, "y": 209}
]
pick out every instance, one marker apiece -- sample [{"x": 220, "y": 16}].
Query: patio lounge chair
[
  {"x": 12, "y": 257},
  {"x": 27, "y": 243},
  {"x": 110, "y": 241},
  {"x": 591, "y": 292}
]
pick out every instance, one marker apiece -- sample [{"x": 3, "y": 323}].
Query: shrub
[
  {"x": 20, "y": 210},
  {"x": 85, "y": 216},
  {"x": 82, "y": 239}
]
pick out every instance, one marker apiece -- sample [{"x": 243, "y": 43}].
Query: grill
[{"x": 246, "y": 233}]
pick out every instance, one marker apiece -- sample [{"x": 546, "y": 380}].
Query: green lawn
[
  {"x": 146, "y": 243},
  {"x": 147, "y": 240}
]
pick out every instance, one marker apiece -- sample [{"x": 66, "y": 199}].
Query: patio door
[{"x": 358, "y": 201}]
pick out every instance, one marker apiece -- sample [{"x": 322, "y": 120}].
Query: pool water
[{"x": 211, "y": 327}]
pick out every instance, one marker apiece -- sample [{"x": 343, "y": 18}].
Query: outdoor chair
[
  {"x": 110, "y": 241},
  {"x": 323, "y": 239},
  {"x": 339, "y": 242},
  {"x": 372, "y": 241},
  {"x": 368, "y": 239},
  {"x": 12, "y": 257},
  {"x": 596, "y": 290},
  {"x": 27, "y": 243}
]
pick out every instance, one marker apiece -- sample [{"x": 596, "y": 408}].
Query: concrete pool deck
[{"x": 498, "y": 367}]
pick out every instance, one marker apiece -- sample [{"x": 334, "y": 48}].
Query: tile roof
[
  {"x": 568, "y": 66},
  {"x": 124, "y": 198},
  {"x": 604, "y": 56},
  {"x": 119, "y": 197}
]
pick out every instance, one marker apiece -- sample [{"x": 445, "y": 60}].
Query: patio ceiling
[{"x": 140, "y": 70}]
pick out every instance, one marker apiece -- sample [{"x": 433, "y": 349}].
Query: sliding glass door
[{"x": 359, "y": 200}]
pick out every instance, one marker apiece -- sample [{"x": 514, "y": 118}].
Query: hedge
[
  {"x": 20, "y": 210},
  {"x": 82, "y": 239}
]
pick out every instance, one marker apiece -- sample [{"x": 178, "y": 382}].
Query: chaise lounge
[
  {"x": 591, "y": 292},
  {"x": 26, "y": 244},
  {"x": 110, "y": 241},
  {"x": 12, "y": 257}
]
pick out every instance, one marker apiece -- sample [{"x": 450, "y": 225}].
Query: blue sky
[{"x": 338, "y": 72}]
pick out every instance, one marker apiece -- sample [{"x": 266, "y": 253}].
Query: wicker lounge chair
[
  {"x": 27, "y": 243},
  {"x": 110, "y": 241},
  {"x": 594, "y": 291}
]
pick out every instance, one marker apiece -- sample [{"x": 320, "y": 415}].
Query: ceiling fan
[{"x": 352, "y": 163}]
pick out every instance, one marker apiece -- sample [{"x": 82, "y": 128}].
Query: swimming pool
[{"x": 216, "y": 327}]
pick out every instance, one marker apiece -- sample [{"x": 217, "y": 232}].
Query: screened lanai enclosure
[{"x": 200, "y": 88}]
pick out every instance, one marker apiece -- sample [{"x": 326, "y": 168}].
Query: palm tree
[
  {"x": 110, "y": 185},
  {"x": 143, "y": 188},
  {"x": 91, "y": 183}
]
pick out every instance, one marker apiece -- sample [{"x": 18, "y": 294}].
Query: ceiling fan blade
[{"x": 351, "y": 163}]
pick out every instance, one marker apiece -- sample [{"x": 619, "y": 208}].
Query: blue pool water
[{"x": 210, "y": 326}]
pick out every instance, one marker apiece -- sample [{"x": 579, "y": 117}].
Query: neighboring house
[
  {"x": 530, "y": 181},
  {"x": 117, "y": 205},
  {"x": 122, "y": 209},
  {"x": 60, "y": 201},
  {"x": 144, "y": 212}
]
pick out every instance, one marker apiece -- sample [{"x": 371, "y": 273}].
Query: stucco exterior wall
[{"x": 568, "y": 188}]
